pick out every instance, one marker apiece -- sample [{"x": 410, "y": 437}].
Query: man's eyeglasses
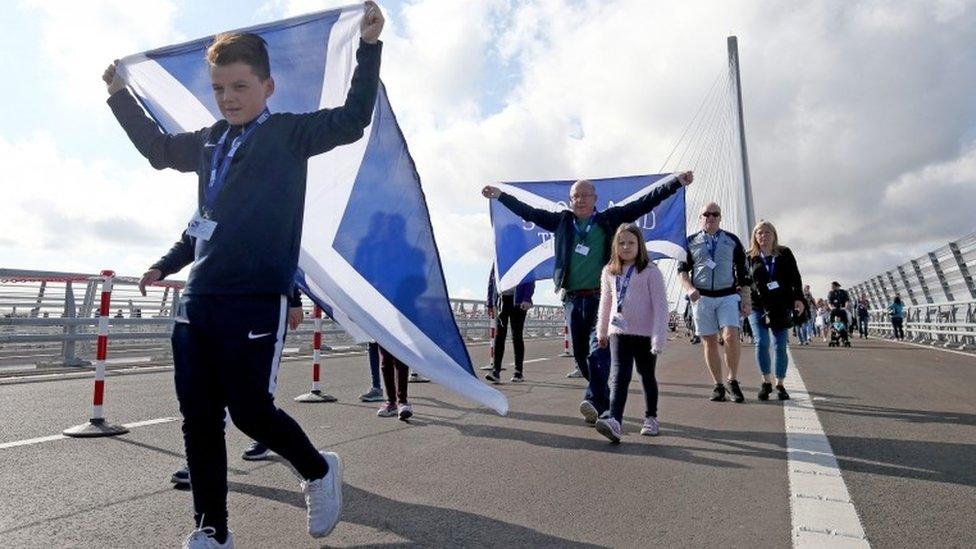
[
  {"x": 711, "y": 214},
  {"x": 581, "y": 196}
]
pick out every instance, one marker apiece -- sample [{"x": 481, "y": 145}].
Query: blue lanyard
[
  {"x": 770, "y": 264},
  {"x": 622, "y": 288},
  {"x": 581, "y": 233},
  {"x": 712, "y": 241},
  {"x": 220, "y": 164}
]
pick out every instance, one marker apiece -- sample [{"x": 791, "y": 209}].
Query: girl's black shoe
[
  {"x": 781, "y": 393},
  {"x": 765, "y": 391}
]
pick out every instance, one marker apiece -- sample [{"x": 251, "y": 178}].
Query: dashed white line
[
  {"x": 821, "y": 509},
  {"x": 51, "y": 438}
]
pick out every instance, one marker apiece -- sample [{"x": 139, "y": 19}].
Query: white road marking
[
  {"x": 39, "y": 440},
  {"x": 944, "y": 350},
  {"x": 821, "y": 509}
]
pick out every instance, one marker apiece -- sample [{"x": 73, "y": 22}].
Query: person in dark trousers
[
  {"x": 838, "y": 298},
  {"x": 582, "y": 236},
  {"x": 509, "y": 307},
  {"x": 897, "y": 312},
  {"x": 230, "y": 326},
  {"x": 863, "y": 311},
  {"x": 395, "y": 374},
  {"x": 777, "y": 302},
  {"x": 180, "y": 255}
]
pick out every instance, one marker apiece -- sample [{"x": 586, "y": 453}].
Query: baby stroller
[{"x": 839, "y": 334}]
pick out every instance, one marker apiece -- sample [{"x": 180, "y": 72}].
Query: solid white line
[
  {"x": 30, "y": 441},
  {"x": 39, "y": 440},
  {"x": 919, "y": 345},
  {"x": 821, "y": 509}
]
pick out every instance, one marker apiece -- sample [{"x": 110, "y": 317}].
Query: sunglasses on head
[{"x": 711, "y": 214}]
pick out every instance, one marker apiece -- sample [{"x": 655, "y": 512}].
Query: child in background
[
  {"x": 633, "y": 321},
  {"x": 395, "y": 375}
]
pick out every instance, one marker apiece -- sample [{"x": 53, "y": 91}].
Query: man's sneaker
[
  {"x": 323, "y": 497},
  {"x": 518, "y": 378},
  {"x": 203, "y": 538},
  {"x": 181, "y": 477},
  {"x": 417, "y": 378},
  {"x": 575, "y": 374},
  {"x": 374, "y": 394},
  {"x": 589, "y": 412},
  {"x": 609, "y": 427},
  {"x": 651, "y": 427},
  {"x": 781, "y": 393},
  {"x": 493, "y": 377},
  {"x": 404, "y": 412},
  {"x": 736, "y": 391},
  {"x": 718, "y": 393},
  {"x": 765, "y": 391},
  {"x": 256, "y": 452},
  {"x": 387, "y": 410}
]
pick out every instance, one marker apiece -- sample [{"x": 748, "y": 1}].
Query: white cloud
[
  {"x": 66, "y": 213},
  {"x": 859, "y": 114},
  {"x": 81, "y": 38}
]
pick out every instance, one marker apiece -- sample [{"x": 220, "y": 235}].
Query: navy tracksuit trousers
[{"x": 226, "y": 351}]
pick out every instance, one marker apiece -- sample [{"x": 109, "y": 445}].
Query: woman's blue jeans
[{"x": 781, "y": 339}]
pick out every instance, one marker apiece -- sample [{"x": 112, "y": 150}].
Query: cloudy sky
[{"x": 860, "y": 117}]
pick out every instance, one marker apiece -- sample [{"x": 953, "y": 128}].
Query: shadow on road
[{"x": 425, "y": 525}]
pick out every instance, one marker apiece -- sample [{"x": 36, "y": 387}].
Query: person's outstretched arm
[
  {"x": 628, "y": 213},
  {"x": 323, "y": 130},
  {"x": 543, "y": 218},
  {"x": 179, "y": 151}
]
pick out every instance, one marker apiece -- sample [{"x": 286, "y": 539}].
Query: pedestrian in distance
[
  {"x": 582, "y": 237},
  {"x": 897, "y": 312},
  {"x": 863, "y": 312},
  {"x": 508, "y": 308},
  {"x": 716, "y": 281},
  {"x": 375, "y": 392},
  {"x": 633, "y": 322},
  {"x": 395, "y": 374},
  {"x": 777, "y": 300},
  {"x": 229, "y": 330}
]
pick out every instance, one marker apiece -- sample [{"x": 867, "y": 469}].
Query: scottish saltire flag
[
  {"x": 525, "y": 252},
  {"x": 368, "y": 255}
]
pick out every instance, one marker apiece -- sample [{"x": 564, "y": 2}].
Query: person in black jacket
[
  {"x": 582, "y": 237},
  {"x": 777, "y": 294},
  {"x": 228, "y": 336}
]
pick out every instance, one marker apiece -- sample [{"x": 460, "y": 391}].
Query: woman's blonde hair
[
  {"x": 615, "y": 266},
  {"x": 754, "y": 243}
]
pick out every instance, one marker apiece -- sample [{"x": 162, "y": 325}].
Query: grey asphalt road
[{"x": 901, "y": 421}]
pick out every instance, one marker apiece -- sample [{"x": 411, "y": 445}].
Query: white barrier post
[
  {"x": 97, "y": 426},
  {"x": 316, "y": 394}
]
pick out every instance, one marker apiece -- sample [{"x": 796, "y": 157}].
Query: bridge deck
[{"x": 900, "y": 420}]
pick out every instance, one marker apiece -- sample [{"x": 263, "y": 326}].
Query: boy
[{"x": 227, "y": 341}]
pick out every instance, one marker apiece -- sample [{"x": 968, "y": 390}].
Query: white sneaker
[
  {"x": 323, "y": 497},
  {"x": 202, "y": 538},
  {"x": 589, "y": 412},
  {"x": 610, "y": 428}
]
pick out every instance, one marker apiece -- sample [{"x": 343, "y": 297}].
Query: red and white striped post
[
  {"x": 97, "y": 426},
  {"x": 316, "y": 394},
  {"x": 566, "y": 351},
  {"x": 492, "y": 331}
]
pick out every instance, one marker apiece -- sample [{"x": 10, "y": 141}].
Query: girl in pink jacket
[{"x": 633, "y": 321}]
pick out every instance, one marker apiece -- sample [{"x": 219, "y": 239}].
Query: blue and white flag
[
  {"x": 525, "y": 252},
  {"x": 368, "y": 253}
]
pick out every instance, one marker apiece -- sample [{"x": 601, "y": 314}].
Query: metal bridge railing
[
  {"x": 51, "y": 319},
  {"x": 938, "y": 291}
]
